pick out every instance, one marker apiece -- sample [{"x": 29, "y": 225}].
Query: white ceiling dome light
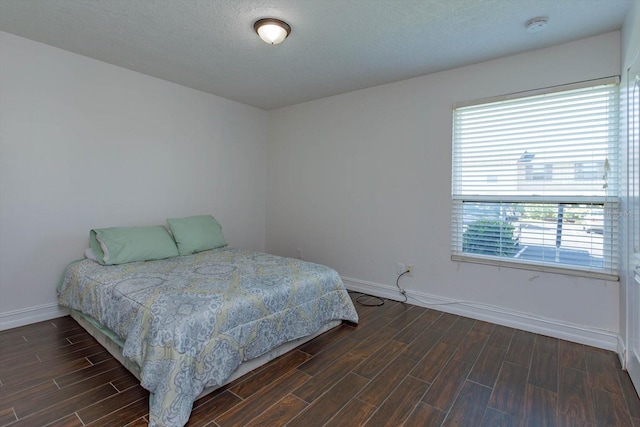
[
  {"x": 537, "y": 24},
  {"x": 271, "y": 30}
]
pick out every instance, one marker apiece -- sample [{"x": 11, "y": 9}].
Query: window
[
  {"x": 589, "y": 170},
  {"x": 535, "y": 180}
]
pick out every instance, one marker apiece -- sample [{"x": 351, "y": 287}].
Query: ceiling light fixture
[
  {"x": 271, "y": 30},
  {"x": 535, "y": 25}
]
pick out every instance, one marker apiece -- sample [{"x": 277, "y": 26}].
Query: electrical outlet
[
  {"x": 299, "y": 253},
  {"x": 401, "y": 268}
]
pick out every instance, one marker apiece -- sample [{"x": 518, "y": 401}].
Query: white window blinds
[{"x": 535, "y": 180}]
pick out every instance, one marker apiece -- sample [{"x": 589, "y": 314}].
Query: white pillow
[{"x": 88, "y": 253}]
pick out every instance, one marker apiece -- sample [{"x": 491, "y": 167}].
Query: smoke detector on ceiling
[{"x": 535, "y": 25}]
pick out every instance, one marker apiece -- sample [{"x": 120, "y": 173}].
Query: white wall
[
  {"x": 85, "y": 144},
  {"x": 358, "y": 181},
  {"x": 361, "y": 181}
]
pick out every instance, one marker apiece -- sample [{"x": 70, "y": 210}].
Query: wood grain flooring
[{"x": 401, "y": 365}]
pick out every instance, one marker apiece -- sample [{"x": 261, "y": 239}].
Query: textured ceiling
[{"x": 336, "y": 46}]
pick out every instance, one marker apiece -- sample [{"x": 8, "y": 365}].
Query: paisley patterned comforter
[{"x": 189, "y": 321}]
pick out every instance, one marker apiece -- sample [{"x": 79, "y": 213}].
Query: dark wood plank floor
[{"x": 402, "y": 365}]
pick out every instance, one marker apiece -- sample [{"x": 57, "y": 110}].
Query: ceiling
[{"x": 335, "y": 46}]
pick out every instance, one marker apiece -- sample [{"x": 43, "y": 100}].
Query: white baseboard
[
  {"x": 633, "y": 368},
  {"x": 550, "y": 327},
  {"x": 621, "y": 349},
  {"x": 501, "y": 316},
  {"x": 26, "y": 316}
]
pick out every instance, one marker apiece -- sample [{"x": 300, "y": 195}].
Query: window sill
[{"x": 501, "y": 262}]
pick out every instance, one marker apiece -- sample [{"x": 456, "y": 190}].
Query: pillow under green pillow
[
  {"x": 196, "y": 233},
  {"x": 120, "y": 245}
]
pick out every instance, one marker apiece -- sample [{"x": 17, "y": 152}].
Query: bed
[{"x": 187, "y": 325}]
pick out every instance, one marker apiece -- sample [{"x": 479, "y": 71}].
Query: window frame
[{"x": 611, "y": 203}]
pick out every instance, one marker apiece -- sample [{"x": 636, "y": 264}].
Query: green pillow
[
  {"x": 120, "y": 245},
  {"x": 196, "y": 233}
]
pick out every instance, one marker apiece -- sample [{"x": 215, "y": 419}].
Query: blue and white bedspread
[{"x": 189, "y": 321}]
